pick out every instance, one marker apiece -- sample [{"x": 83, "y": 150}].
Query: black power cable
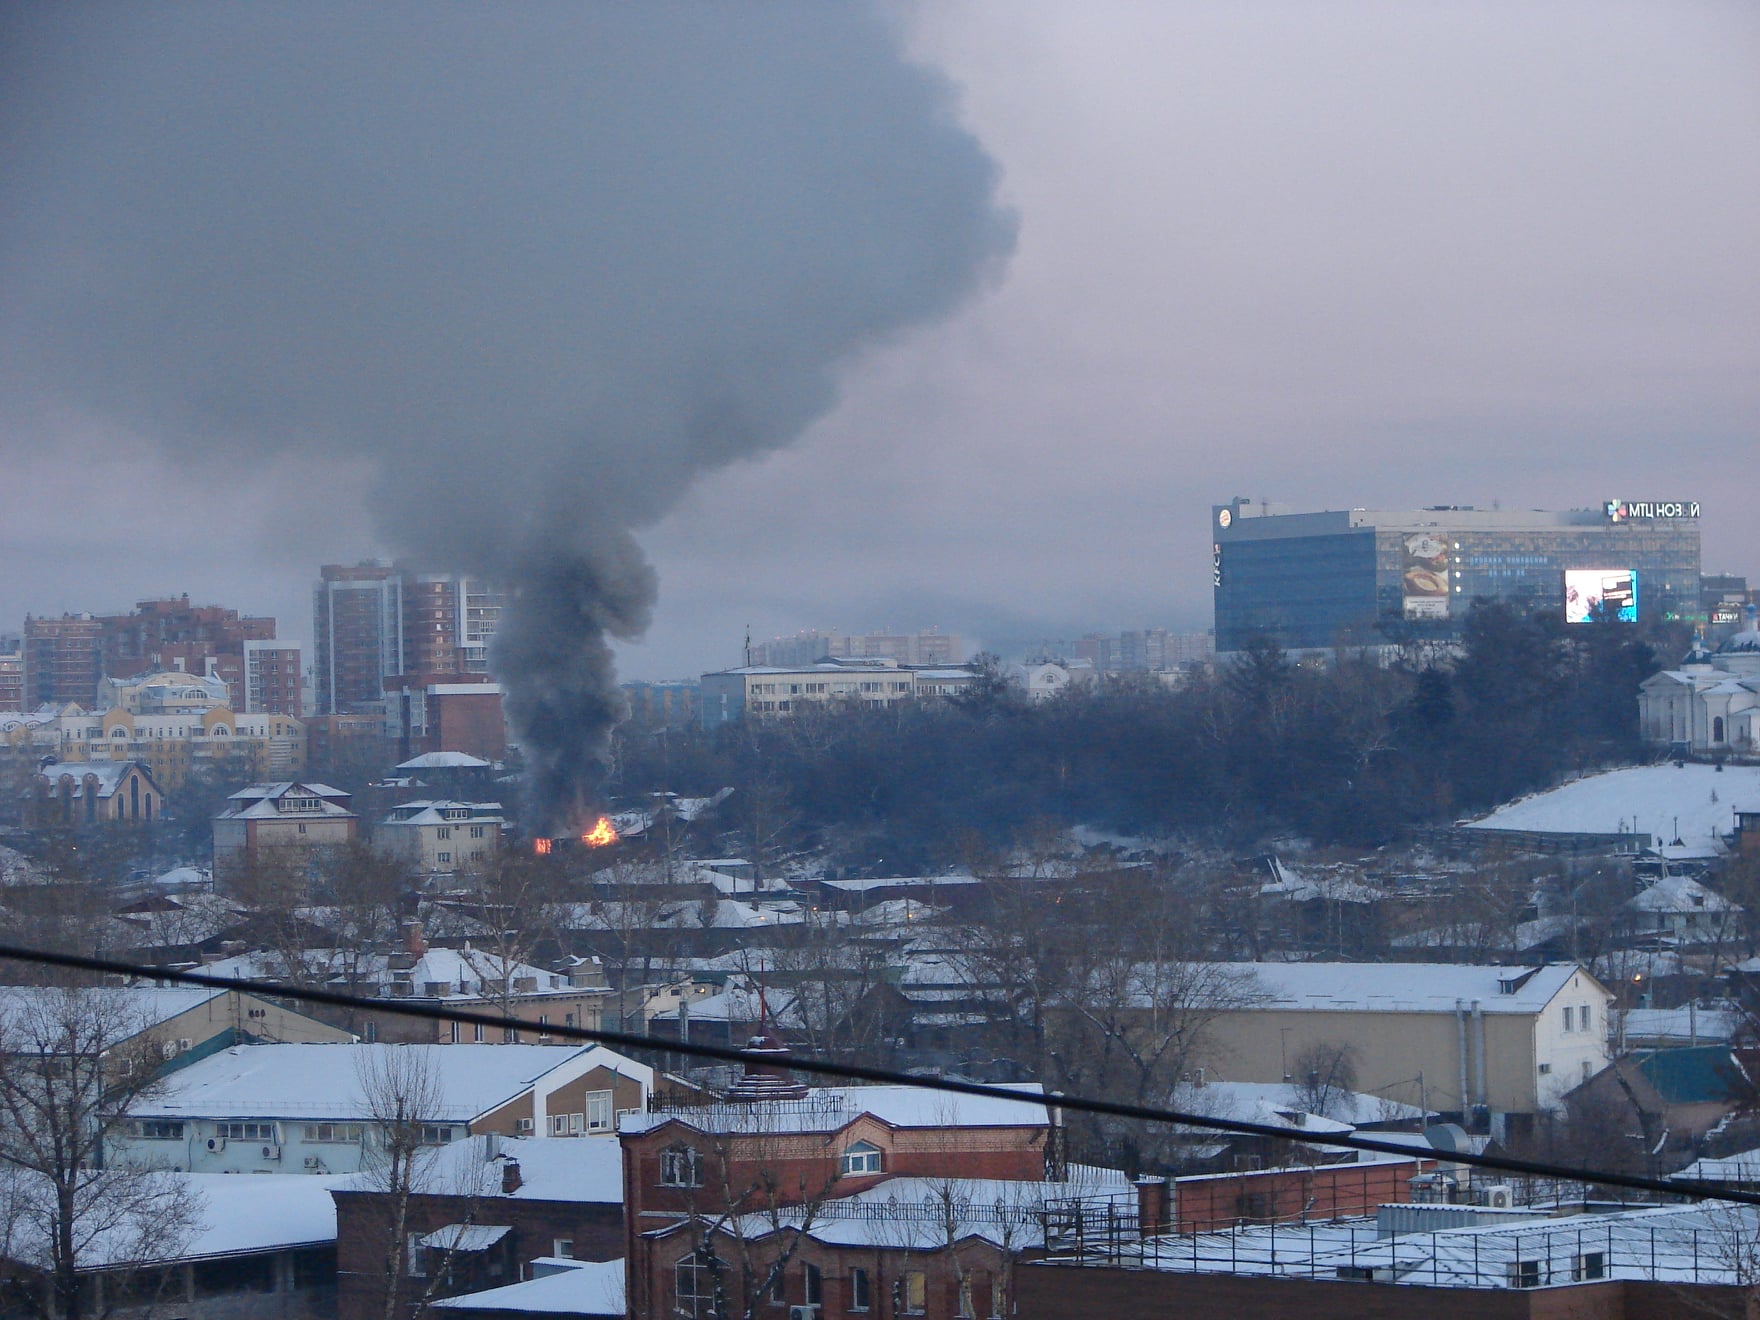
[{"x": 1692, "y": 1189}]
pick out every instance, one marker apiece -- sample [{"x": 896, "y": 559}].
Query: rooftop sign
[{"x": 1632, "y": 510}]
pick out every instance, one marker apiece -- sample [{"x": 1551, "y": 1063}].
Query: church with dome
[{"x": 1711, "y": 703}]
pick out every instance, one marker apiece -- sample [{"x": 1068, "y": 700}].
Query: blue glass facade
[{"x": 1342, "y": 578}]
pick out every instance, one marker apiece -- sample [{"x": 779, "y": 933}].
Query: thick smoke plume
[{"x": 542, "y": 266}]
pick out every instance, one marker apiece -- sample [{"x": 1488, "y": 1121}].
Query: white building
[
  {"x": 444, "y": 837},
  {"x": 310, "y": 1109},
  {"x": 768, "y": 690},
  {"x": 1711, "y": 703}
]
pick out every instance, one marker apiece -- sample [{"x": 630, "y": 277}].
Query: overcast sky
[{"x": 1329, "y": 255}]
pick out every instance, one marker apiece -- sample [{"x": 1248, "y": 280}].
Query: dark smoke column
[
  {"x": 538, "y": 267},
  {"x": 552, "y": 653}
]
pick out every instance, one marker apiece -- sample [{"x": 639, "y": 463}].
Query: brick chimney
[
  {"x": 414, "y": 941},
  {"x": 511, "y": 1181},
  {"x": 1154, "y": 1198}
]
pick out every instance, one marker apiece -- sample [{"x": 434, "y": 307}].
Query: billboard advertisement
[
  {"x": 1588, "y": 591},
  {"x": 1424, "y": 575}
]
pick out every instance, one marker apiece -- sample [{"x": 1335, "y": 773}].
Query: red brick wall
[
  {"x": 1331, "y": 1191},
  {"x": 467, "y": 722}
]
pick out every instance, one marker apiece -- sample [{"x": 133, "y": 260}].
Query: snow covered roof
[
  {"x": 108, "y": 774},
  {"x": 1407, "y": 987},
  {"x": 282, "y": 788},
  {"x": 326, "y": 1081},
  {"x": 1666, "y": 1244},
  {"x": 444, "y": 761},
  {"x": 828, "y": 1109},
  {"x": 740, "y": 1002},
  {"x": 557, "y": 1287},
  {"x": 434, "y": 813},
  {"x": 1250, "y": 1100},
  {"x": 587, "y": 1170},
  {"x": 1694, "y": 803},
  {"x": 466, "y": 1237},
  {"x": 1678, "y": 893},
  {"x": 131, "y": 1009},
  {"x": 1680, "y": 1025},
  {"x": 233, "y": 1216}
]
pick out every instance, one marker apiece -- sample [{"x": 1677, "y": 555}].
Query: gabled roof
[
  {"x": 444, "y": 761},
  {"x": 557, "y": 1287},
  {"x": 328, "y": 1081},
  {"x": 133, "y": 1009},
  {"x": 109, "y": 775},
  {"x": 831, "y": 1109},
  {"x": 1408, "y": 987}
]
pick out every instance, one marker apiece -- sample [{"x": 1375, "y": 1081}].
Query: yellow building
[{"x": 245, "y": 747}]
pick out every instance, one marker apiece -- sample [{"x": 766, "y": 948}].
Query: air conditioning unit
[
  {"x": 216, "y": 1143},
  {"x": 313, "y": 1162},
  {"x": 522, "y": 1125},
  {"x": 184, "y": 1043},
  {"x": 271, "y": 1152},
  {"x": 167, "y": 1049},
  {"x": 1497, "y": 1197}
]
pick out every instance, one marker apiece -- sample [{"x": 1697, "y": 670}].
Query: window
[
  {"x": 910, "y": 1294},
  {"x": 598, "y": 1111},
  {"x": 1583, "y": 1016},
  {"x": 1590, "y": 1265},
  {"x": 443, "y": 857},
  {"x": 562, "y": 1248},
  {"x": 476, "y": 831},
  {"x": 863, "y": 1157},
  {"x": 444, "y": 832},
  {"x": 1567, "y": 1019},
  {"x": 1545, "y": 1069},
  {"x": 245, "y": 1131},
  {"x": 158, "y": 1130},
  {"x": 559, "y": 1125},
  {"x": 1526, "y": 1274},
  {"x": 415, "y": 1257},
  {"x": 697, "y": 1286},
  {"x": 680, "y": 1166},
  {"x": 344, "y": 1133},
  {"x": 815, "y": 1285},
  {"x": 860, "y": 1291},
  {"x": 436, "y": 1134},
  {"x": 477, "y": 1032}
]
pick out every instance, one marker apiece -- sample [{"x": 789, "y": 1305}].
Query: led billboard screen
[{"x": 1603, "y": 592}]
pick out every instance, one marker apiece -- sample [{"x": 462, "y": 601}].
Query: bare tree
[
  {"x": 72, "y": 1062},
  {"x": 404, "y": 1097},
  {"x": 1325, "y": 1079}
]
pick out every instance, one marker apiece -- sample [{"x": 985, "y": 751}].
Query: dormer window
[{"x": 861, "y": 1158}]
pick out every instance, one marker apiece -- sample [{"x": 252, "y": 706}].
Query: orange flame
[
  {"x": 542, "y": 847},
  {"x": 600, "y": 835}
]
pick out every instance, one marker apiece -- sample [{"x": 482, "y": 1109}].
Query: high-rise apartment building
[
  {"x": 1350, "y": 577},
  {"x": 66, "y": 659},
  {"x": 382, "y": 631},
  {"x": 63, "y": 660},
  {"x": 272, "y": 678},
  {"x": 357, "y": 636},
  {"x": 11, "y": 675}
]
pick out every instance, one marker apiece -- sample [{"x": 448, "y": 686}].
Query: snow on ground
[{"x": 1694, "y": 803}]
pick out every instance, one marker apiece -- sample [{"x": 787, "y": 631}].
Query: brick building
[
  {"x": 483, "y": 1212},
  {"x": 839, "y": 1199},
  {"x": 63, "y": 660}
]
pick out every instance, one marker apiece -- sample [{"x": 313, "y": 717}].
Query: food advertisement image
[{"x": 1424, "y": 576}]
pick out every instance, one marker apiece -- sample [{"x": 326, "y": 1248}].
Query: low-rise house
[
  {"x": 1499, "y": 1044},
  {"x": 1679, "y": 910},
  {"x": 311, "y": 1109},
  {"x": 1666, "y": 1101},
  {"x": 470, "y": 979},
  {"x": 182, "y": 1023},
  {"x": 442, "y": 837},
  {"x": 481, "y": 1213},
  {"x": 285, "y": 815},
  {"x": 260, "y": 1249}
]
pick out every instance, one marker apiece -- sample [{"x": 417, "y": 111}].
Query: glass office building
[{"x": 1360, "y": 577}]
